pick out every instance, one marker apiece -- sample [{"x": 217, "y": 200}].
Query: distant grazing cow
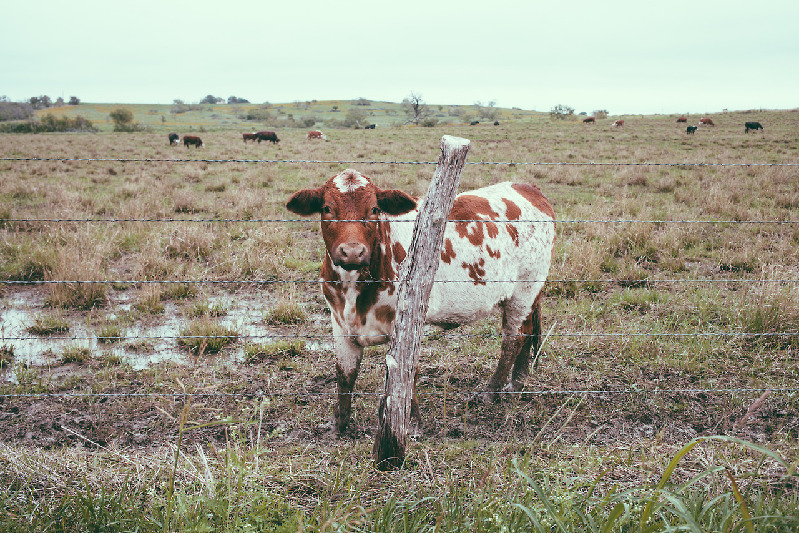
[
  {"x": 366, "y": 244},
  {"x": 370, "y": 126},
  {"x": 618, "y": 124},
  {"x": 192, "y": 140},
  {"x": 690, "y": 130},
  {"x": 249, "y": 137},
  {"x": 316, "y": 134},
  {"x": 706, "y": 122},
  {"x": 474, "y": 123},
  {"x": 682, "y": 119},
  {"x": 752, "y": 126},
  {"x": 267, "y": 136},
  {"x": 589, "y": 120},
  {"x": 496, "y": 123},
  {"x": 174, "y": 139}
]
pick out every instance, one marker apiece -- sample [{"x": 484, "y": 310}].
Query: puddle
[{"x": 151, "y": 340}]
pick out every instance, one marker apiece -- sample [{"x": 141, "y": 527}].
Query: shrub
[
  {"x": 123, "y": 120},
  {"x": 15, "y": 111},
  {"x": 561, "y": 112}
]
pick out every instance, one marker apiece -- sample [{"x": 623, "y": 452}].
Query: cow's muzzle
[{"x": 351, "y": 256}]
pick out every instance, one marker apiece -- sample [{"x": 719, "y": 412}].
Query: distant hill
[{"x": 307, "y": 114}]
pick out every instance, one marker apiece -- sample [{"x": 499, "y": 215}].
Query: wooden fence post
[{"x": 415, "y": 282}]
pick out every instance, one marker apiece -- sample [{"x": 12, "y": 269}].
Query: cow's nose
[{"x": 353, "y": 254}]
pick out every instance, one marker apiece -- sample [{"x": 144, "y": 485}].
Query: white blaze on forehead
[{"x": 350, "y": 180}]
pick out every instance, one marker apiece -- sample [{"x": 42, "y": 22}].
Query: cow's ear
[
  {"x": 395, "y": 202},
  {"x": 306, "y": 202}
]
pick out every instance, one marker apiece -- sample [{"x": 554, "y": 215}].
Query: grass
[{"x": 254, "y": 452}]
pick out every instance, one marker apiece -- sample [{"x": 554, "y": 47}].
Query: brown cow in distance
[
  {"x": 316, "y": 134},
  {"x": 249, "y": 137},
  {"x": 682, "y": 119},
  {"x": 192, "y": 140},
  {"x": 267, "y": 136},
  {"x": 618, "y": 124},
  {"x": 589, "y": 120},
  {"x": 706, "y": 122}
]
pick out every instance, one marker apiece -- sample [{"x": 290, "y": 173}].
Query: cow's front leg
[{"x": 348, "y": 363}]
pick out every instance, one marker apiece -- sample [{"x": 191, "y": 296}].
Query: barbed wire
[
  {"x": 448, "y": 393},
  {"x": 4, "y": 221},
  {"x": 450, "y": 336},
  {"x": 633, "y": 281},
  {"x": 395, "y": 162}
]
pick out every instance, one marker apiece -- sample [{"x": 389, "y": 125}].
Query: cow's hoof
[{"x": 484, "y": 397}]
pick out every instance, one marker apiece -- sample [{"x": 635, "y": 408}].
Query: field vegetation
[{"x": 186, "y": 384}]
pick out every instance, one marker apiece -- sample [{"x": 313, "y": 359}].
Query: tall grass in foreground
[{"x": 237, "y": 489}]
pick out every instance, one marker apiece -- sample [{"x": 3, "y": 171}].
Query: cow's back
[{"x": 503, "y": 259}]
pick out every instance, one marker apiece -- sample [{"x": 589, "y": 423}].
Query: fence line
[
  {"x": 370, "y": 162},
  {"x": 316, "y": 220},
  {"x": 111, "y": 339},
  {"x": 636, "y": 281},
  {"x": 449, "y": 393}
]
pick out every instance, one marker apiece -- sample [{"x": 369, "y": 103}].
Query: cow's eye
[{"x": 326, "y": 210}]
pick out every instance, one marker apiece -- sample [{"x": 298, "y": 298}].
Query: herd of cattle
[
  {"x": 194, "y": 140},
  {"x": 690, "y": 130}
]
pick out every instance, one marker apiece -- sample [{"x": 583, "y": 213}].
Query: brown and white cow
[
  {"x": 316, "y": 134},
  {"x": 495, "y": 255},
  {"x": 706, "y": 122},
  {"x": 192, "y": 140},
  {"x": 249, "y": 137},
  {"x": 618, "y": 124}
]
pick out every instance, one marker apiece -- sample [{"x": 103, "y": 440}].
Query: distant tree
[
  {"x": 123, "y": 120},
  {"x": 40, "y": 102},
  {"x": 488, "y": 111},
  {"x": 15, "y": 110},
  {"x": 211, "y": 99},
  {"x": 561, "y": 112},
  {"x": 415, "y": 108},
  {"x": 600, "y": 113},
  {"x": 237, "y": 100},
  {"x": 59, "y": 102},
  {"x": 74, "y": 100},
  {"x": 356, "y": 118}
]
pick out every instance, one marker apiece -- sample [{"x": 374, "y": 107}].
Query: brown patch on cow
[
  {"x": 494, "y": 254},
  {"x": 470, "y": 207},
  {"x": 513, "y": 232},
  {"x": 534, "y": 196},
  {"x": 512, "y": 211},
  {"x": 399, "y": 252},
  {"x": 385, "y": 314},
  {"x": 476, "y": 271},
  {"x": 449, "y": 252}
]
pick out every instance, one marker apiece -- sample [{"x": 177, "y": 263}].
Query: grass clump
[
  {"x": 206, "y": 336},
  {"x": 286, "y": 313},
  {"x": 76, "y": 354},
  {"x": 257, "y": 353},
  {"x": 6, "y": 355},
  {"x": 206, "y": 308},
  {"x": 48, "y": 324}
]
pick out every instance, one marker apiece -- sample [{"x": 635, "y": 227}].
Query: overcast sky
[{"x": 668, "y": 56}]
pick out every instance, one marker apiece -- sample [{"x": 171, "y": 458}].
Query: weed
[
  {"x": 48, "y": 323},
  {"x": 6, "y": 355},
  {"x": 257, "y": 353},
  {"x": 206, "y": 336},
  {"x": 76, "y": 354},
  {"x": 286, "y": 313}
]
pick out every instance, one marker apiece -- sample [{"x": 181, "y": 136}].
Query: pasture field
[{"x": 191, "y": 388}]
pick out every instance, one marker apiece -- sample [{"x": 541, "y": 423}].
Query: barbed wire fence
[{"x": 5, "y": 222}]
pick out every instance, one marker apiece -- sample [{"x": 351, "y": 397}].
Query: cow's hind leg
[
  {"x": 521, "y": 334},
  {"x": 531, "y": 343}
]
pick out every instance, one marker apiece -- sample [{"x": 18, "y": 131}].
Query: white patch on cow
[{"x": 349, "y": 181}]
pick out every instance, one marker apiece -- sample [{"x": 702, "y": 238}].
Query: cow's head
[{"x": 352, "y": 198}]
